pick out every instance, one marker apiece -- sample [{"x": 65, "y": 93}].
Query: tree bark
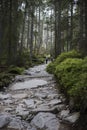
[
  {"x": 71, "y": 26},
  {"x": 32, "y": 25},
  {"x": 57, "y": 28}
]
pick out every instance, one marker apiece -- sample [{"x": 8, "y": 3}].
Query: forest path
[{"x": 33, "y": 102}]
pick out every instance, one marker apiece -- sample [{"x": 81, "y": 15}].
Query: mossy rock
[{"x": 5, "y": 79}]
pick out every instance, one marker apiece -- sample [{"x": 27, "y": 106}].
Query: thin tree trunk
[
  {"x": 31, "y": 42},
  {"x": 1, "y": 10},
  {"x": 71, "y": 29},
  {"x": 10, "y": 32},
  {"x": 67, "y": 32},
  {"x": 86, "y": 18},
  {"x": 23, "y": 28},
  {"x": 55, "y": 30},
  {"x": 28, "y": 32},
  {"x": 51, "y": 35},
  {"x": 36, "y": 31},
  {"x": 58, "y": 28},
  {"x": 39, "y": 30},
  {"x": 47, "y": 38}
]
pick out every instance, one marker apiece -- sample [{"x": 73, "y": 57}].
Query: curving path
[{"x": 33, "y": 102}]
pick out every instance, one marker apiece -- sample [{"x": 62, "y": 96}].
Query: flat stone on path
[
  {"x": 4, "y": 96},
  {"x": 33, "y": 83},
  {"x": 54, "y": 102},
  {"x": 29, "y": 103},
  {"x": 19, "y": 96}
]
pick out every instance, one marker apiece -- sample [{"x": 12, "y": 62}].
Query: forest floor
[{"x": 33, "y": 102}]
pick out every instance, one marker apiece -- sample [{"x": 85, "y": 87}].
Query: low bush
[
  {"x": 5, "y": 79},
  {"x": 15, "y": 70},
  {"x": 68, "y": 71},
  {"x": 51, "y": 67},
  {"x": 37, "y": 59},
  {"x": 71, "y": 73},
  {"x": 71, "y": 54}
]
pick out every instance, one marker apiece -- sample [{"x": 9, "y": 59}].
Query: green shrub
[
  {"x": 5, "y": 79},
  {"x": 65, "y": 55},
  {"x": 71, "y": 72},
  {"x": 68, "y": 71},
  {"x": 7, "y": 76},
  {"x": 71, "y": 54},
  {"x": 51, "y": 67},
  {"x": 15, "y": 70},
  {"x": 72, "y": 75},
  {"x": 37, "y": 59}
]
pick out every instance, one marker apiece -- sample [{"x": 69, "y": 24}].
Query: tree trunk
[
  {"x": 57, "y": 28},
  {"x": 23, "y": 28},
  {"x": 28, "y": 32},
  {"x": 86, "y": 19},
  {"x": 67, "y": 32},
  {"x": 10, "y": 33},
  {"x": 31, "y": 42},
  {"x": 71, "y": 26},
  {"x": 1, "y": 27}
]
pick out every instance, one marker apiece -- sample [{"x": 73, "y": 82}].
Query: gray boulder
[
  {"x": 15, "y": 124},
  {"x": 4, "y": 120},
  {"x": 46, "y": 121},
  {"x": 72, "y": 118}
]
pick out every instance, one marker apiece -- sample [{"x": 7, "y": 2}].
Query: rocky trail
[{"x": 33, "y": 102}]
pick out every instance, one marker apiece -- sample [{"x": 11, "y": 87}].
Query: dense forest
[
  {"x": 32, "y": 29},
  {"x": 30, "y": 32},
  {"x": 29, "y": 27}
]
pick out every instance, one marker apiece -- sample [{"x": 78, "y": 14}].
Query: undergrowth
[{"x": 71, "y": 72}]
